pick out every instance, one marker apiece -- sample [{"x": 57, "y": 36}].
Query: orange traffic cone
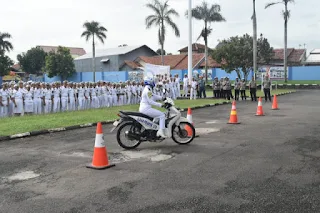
[
  {"x": 259, "y": 109},
  {"x": 100, "y": 156},
  {"x": 189, "y": 117},
  {"x": 233, "y": 115},
  {"x": 275, "y": 103}
]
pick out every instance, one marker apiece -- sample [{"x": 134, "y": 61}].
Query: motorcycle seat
[{"x": 137, "y": 114}]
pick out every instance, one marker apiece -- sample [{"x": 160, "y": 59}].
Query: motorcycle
[{"x": 135, "y": 128}]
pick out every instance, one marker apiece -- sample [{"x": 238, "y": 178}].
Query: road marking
[
  {"x": 161, "y": 157},
  {"x": 23, "y": 176},
  {"x": 152, "y": 155},
  {"x": 212, "y": 122},
  {"x": 205, "y": 131}
]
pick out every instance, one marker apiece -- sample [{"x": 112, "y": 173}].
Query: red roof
[
  {"x": 294, "y": 55},
  {"x": 195, "y": 47},
  {"x": 73, "y": 50},
  {"x": 180, "y": 62},
  {"x": 16, "y": 66}
]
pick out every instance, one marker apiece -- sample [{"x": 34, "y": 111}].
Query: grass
[{"x": 15, "y": 125}]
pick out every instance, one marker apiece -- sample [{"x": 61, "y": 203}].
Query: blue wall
[
  {"x": 294, "y": 73},
  {"x": 304, "y": 73}
]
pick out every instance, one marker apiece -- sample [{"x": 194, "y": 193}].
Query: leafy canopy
[
  {"x": 5, "y": 63},
  {"x": 5, "y": 45},
  {"x": 33, "y": 62},
  {"x": 236, "y": 54},
  {"x": 93, "y": 29},
  {"x": 60, "y": 63}
]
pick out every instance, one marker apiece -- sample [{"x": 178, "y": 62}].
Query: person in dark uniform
[
  {"x": 237, "y": 85},
  {"x": 266, "y": 88},
  {"x": 216, "y": 87},
  {"x": 222, "y": 95},
  {"x": 227, "y": 88},
  {"x": 243, "y": 89},
  {"x": 253, "y": 89}
]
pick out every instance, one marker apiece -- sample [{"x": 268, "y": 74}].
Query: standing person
[
  {"x": 47, "y": 101},
  {"x": 81, "y": 96},
  {"x": 193, "y": 89},
  {"x": 237, "y": 85},
  {"x": 94, "y": 97},
  {"x": 64, "y": 96},
  {"x": 216, "y": 87},
  {"x": 87, "y": 96},
  {"x": 37, "y": 99},
  {"x": 56, "y": 97},
  {"x": 185, "y": 85},
  {"x": 266, "y": 88},
  {"x": 227, "y": 88},
  {"x": 243, "y": 89},
  {"x": 17, "y": 99},
  {"x": 129, "y": 93},
  {"x": 253, "y": 89},
  {"x": 72, "y": 98},
  {"x": 4, "y": 101},
  {"x": 114, "y": 95},
  {"x": 202, "y": 87},
  {"x": 178, "y": 86}
]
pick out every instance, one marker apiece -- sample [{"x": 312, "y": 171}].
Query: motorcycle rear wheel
[
  {"x": 122, "y": 136},
  {"x": 184, "y": 133}
]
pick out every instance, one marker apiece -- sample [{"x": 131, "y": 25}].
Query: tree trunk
[
  {"x": 206, "y": 50},
  {"x": 285, "y": 44},
  {"x": 93, "y": 59},
  {"x": 255, "y": 48},
  {"x": 162, "y": 59},
  {"x": 162, "y": 42}
]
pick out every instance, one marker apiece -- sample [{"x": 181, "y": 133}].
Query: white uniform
[
  {"x": 37, "y": 100},
  {"x": 81, "y": 98},
  {"x": 178, "y": 92},
  {"x": 5, "y": 108},
  {"x": 104, "y": 97},
  {"x": 56, "y": 100},
  {"x": 64, "y": 98},
  {"x": 193, "y": 93},
  {"x": 87, "y": 102},
  {"x": 18, "y": 95},
  {"x": 95, "y": 100},
  {"x": 72, "y": 100},
  {"x": 48, "y": 100},
  {"x": 147, "y": 100},
  {"x": 110, "y": 98},
  {"x": 28, "y": 101},
  {"x": 129, "y": 93},
  {"x": 185, "y": 86}
]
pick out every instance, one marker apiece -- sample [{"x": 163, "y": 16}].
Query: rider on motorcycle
[{"x": 148, "y": 99}]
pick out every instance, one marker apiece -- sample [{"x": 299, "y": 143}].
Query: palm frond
[
  {"x": 272, "y": 3},
  {"x": 155, "y": 8},
  {"x": 173, "y": 26},
  {"x": 172, "y": 12}
]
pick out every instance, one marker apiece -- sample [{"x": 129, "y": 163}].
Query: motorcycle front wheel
[
  {"x": 184, "y": 133},
  {"x": 127, "y": 136}
]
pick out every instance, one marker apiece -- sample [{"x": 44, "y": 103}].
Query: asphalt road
[{"x": 265, "y": 164}]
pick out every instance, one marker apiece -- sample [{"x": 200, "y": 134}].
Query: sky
[{"x": 60, "y": 22}]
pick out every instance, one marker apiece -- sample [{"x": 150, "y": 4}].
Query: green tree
[
  {"x": 5, "y": 63},
  {"x": 60, "y": 63},
  {"x": 286, "y": 16},
  {"x": 208, "y": 14},
  {"x": 5, "y": 45},
  {"x": 159, "y": 52},
  {"x": 236, "y": 54},
  {"x": 162, "y": 16},
  {"x": 94, "y": 29},
  {"x": 33, "y": 61}
]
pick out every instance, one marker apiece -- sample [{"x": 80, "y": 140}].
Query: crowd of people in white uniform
[{"x": 23, "y": 98}]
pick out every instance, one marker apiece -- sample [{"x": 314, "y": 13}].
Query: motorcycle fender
[{"x": 182, "y": 119}]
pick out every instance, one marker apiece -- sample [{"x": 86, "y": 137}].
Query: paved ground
[{"x": 266, "y": 164}]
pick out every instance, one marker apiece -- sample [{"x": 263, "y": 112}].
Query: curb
[{"x": 46, "y": 131}]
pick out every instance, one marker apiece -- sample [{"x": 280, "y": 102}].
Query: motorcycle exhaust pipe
[{"x": 132, "y": 136}]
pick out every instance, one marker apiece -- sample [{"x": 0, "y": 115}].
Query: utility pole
[{"x": 190, "y": 42}]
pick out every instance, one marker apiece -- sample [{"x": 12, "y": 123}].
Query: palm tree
[
  {"x": 208, "y": 14},
  {"x": 286, "y": 16},
  {"x": 255, "y": 47},
  {"x": 94, "y": 29},
  {"x": 5, "y": 45},
  {"x": 162, "y": 16}
]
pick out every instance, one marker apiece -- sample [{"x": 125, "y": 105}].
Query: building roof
[
  {"x": 16, "y": 67},
  {"x": 195, "y": 47},
  {"x": 111, "y": 51},
  {"x": 131, "y": 64},
  {"x": 179, "y": 62},
  {"x": 73, "y": 50},
  {"x": 314, "y": 57},
  {"x": 294, "y": 55}
]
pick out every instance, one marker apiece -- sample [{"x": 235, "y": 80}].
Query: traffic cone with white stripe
[
  {"x": 189, "y": 117},
  {"x": 259, "y": 109},
  {"x": 233, "y": 114},
  {"x": 100, "y": 156}
]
